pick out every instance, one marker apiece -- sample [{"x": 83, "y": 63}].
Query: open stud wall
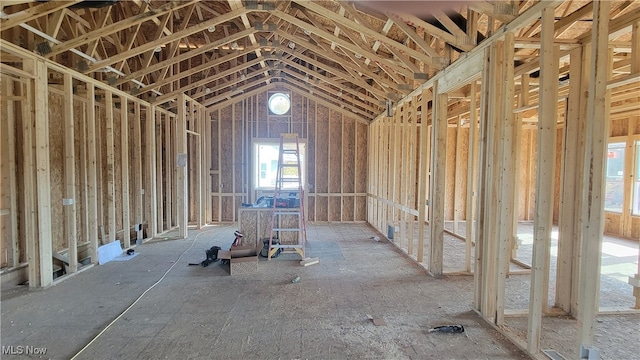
[{"x": 84, "y": 163}]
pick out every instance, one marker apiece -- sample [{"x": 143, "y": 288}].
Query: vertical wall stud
[
  {"x": 438, "y": 177},
  {"x": 41, "y": 118},
  {"x": 150, "y": 187},
  {"x": 181, "y": 166},
  {"x": 70, "y": 226},
  {"x": 594, "y": 176},
  {"x": 124, "y": 153},
  {"x": 544, "y": 179}
]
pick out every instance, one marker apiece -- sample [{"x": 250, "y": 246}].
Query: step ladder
[{"x": 289, "y": 172}]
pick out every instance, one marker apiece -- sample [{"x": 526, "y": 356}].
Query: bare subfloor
[{"x": 203, "y": 313}]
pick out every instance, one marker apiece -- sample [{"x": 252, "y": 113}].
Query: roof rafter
[
  {"x": 118, "y": 26},
  {"x": 385, "y": 64},
  {"x": 210, "y": 79},
  {"x": 184, "y": 56},
  {"x": 317, "y": 91},
  {"x": 209, "y": 64},
  {"x": 368, "y": 32},
  {"x": 33, "y": 13},
  {"x": 329, "y": 56},
  {"x": 325, "y": 79},
  {"x": 175, "y": 36},
  {"x": 320, "y": 98},
  {"x": 342, "y": 75}
]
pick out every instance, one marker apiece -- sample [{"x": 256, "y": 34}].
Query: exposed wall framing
[
  {"x": 336, "y": 164},
  {"x": 529, "y": 166},
  {"x": 86, "y": 155},
  {"x": 500, "y": 136}
]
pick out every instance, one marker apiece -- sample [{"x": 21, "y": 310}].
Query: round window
[{"x": 279, "y": 103}]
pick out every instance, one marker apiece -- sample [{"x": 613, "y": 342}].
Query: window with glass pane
[
  {"x": 266, "y": 165},
  {"x": 635, "y": 210},
  {"x": 614, "y": 190}
]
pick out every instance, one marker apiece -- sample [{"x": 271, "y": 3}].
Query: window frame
[
  {"x": 635, "y": 181},
  {"x": 256, "y": 164},
  {"x": 615, "y": 179},
  {"x": 270, "y": 96}
]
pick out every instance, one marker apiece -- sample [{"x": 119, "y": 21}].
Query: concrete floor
[{"x": 203, "y": 313}]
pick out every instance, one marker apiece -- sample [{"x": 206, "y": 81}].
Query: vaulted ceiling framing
[{"x": 350, "y": 55}]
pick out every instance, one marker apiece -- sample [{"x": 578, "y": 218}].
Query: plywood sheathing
[
  {"x": 361, "y": 164},
  {"x": 226, "y": 143},
  {"x": 321, "y": 162},
  {"x": 335, "y": 165},
  {"x": 240, "y": 168},
  {"x": 450, "y": 173},
  {"x": 348, "y": 169},
  {"x": 299, "y": 121},
  {"x": 249, "y": 225},
  {"x": 311, "y": 156},
  {"x": 56, "y": 159},
  {"x": 118, "y": 183},
  {"x": 215, "y": 166}
]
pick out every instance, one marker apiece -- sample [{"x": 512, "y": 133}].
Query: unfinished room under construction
[{"x": 306, "y": 179}]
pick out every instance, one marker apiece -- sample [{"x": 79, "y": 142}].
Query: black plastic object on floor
[
  {"x": 212, "y": 256},
  {"x": 448, "y": 329},
  {"x": 265, "y": 248}
]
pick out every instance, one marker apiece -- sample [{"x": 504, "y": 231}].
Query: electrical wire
[{"x": 145, "y": 292}]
